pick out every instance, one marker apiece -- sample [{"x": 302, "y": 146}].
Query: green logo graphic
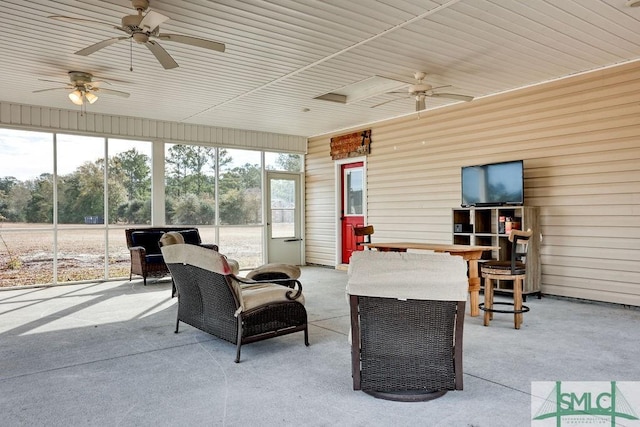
[{"x": 601, "y": 405}]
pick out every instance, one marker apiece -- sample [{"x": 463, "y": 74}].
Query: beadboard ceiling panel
[{"x": 281, "y": 54}]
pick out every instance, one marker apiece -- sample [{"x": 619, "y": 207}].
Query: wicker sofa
[
  {"x": 214, "y": 300},
  {"x": 407, "y": 315},
  {"x": 146, "y": 257}
]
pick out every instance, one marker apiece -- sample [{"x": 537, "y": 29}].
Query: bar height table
[{"x": 470, "y": 253}]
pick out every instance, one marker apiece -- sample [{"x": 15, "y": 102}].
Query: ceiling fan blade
[
  {"x": 97, "y": 83},
  {"x": 111, "y": 92},
  {"x": 193, "y": 41},
  {"x": 453, "y": 96},
  {"x": 390, "y": 100},
  {"x": 47, "y": 90},
  {"x": 161, "y": 55},
  {"x": 84, "y": 21},
  {"x": 152, "y": 20},
  {"x": 440, "y": 87},
  {"x": 96, "y": 47},
  {"x": 53, "y": 81}
]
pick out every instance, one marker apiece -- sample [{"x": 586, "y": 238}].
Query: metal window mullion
[
  {"x": 55, "y": 208},
  {"x": 105, "y": 212}
]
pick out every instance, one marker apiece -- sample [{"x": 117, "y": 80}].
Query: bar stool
[
  {"x": 514, "y": 269},
  {"x": 365, "y": 232}
]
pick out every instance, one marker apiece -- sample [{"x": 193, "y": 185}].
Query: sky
[{"x": 25, "y": 155}]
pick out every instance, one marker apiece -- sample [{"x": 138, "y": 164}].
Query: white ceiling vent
[{"x": 363, "y": 89}]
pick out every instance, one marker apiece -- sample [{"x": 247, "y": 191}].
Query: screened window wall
[{"x": 65, "y": 201}]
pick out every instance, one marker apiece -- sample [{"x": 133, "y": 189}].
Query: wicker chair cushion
[
  {"x": 171, "y": 238},
  {"x": 291, "y": 271},
  {"x": 503, "y": 267},
  {"x": 154, "y": 259},
  {"x": 197, "y": 256},
  {"x": 234, "y": 266},
  {"x": 402, "y": 275},
  {"x": 264, "y": 293},
  {"x": 191, "y": 237},
  {"x": 148, "y": 240},
  {"x": 178, "y": 237}
]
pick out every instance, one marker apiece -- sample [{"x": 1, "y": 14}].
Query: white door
[{"x": 284, "y": 235}]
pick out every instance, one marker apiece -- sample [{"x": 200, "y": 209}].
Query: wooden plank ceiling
[{"x": 281, "y": 54}]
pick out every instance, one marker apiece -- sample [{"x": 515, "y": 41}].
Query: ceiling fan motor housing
[
  {"x": 140, "y": 5},
  {"x": 79, "y": 78},
  {"x": 131, "y": 24},
  {"x": 422, "y": 87}
]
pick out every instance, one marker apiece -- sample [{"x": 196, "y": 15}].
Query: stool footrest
[{"x": 493, "y": 310}]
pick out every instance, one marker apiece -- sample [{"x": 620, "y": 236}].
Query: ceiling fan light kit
[
  {"x": 91, "y": 97},
  {"x": 83, "y": 88},
  {"x": 76, "y": 97}
]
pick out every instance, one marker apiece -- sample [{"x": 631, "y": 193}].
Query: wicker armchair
[
  {"x": 146, "y": 258},
  {"x": 214, "y": 300},
  {"x": 407, "y": 315}
]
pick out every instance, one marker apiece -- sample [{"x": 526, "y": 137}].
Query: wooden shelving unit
[{"x": 485, "y": 226}]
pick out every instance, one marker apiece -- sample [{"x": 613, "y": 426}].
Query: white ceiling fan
[
  {"x": 82, "y": 88},
  {"x": 143, "y": 28},
  {"x": 421, "y": 90}
]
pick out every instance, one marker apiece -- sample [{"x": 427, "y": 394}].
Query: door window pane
[
  {"x": 283, "y": 205},
  {"x": 353, "y": 192}
]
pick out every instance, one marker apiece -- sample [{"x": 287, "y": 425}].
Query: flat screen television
[{"x": 495, "y": 184}]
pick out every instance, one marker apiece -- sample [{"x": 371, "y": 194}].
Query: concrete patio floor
[{"x": 105, "y": 354}]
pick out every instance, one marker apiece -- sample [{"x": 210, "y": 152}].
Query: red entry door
[{"x": 352, "y": 209}]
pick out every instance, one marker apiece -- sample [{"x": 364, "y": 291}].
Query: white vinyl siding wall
[
  {"x": 71, "y": 121},
  {"x": 580, "y": 141}
]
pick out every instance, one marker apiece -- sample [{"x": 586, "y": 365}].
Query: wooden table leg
[
  {"x": 472, "y": 258},
  {"x": 474, "y": 288}
]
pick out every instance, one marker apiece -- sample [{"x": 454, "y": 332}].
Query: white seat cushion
[
  {"x": 263, "y": 293},
  {"x": 403, "y": 275},
  {"x": 293, "y": 271}
]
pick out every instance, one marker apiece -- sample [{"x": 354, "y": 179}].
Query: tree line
[{"x": 190, "y": 190}]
